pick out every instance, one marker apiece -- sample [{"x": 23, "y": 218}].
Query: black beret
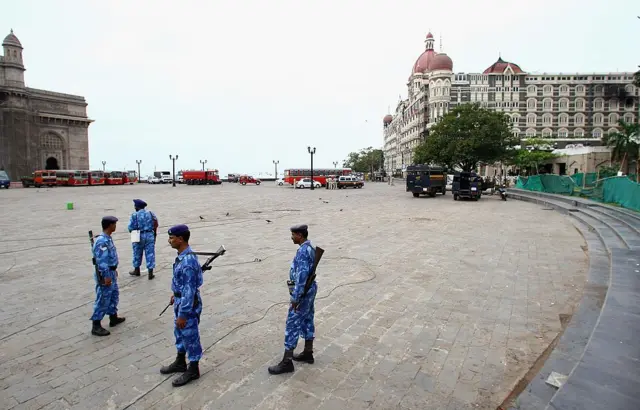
[
  {"x": 299, "y": 228},
  {"x": 109, "y": 219},
  {"x": 178, "y": 230}
]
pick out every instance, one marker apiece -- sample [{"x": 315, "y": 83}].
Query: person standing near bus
[{"x": 145, "y": 223}]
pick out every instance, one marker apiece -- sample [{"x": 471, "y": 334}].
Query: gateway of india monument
[{"x": 38, "y": 129}]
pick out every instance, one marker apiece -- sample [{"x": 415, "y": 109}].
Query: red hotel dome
[
  {"x": 387, "y": 119},
  {"x": 499, "y": 66},
  {"x": 441, "y": 62}
]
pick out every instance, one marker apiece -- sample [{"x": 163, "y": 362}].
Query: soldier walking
[
  {"x": 301, "y": 311},
  {"x": 146, "y": 223},
  {"x": 107, "y": 292},
  {"x": 187, "y": 307}
]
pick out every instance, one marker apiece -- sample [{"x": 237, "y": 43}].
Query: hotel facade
[{"x": 570, "y": 108}]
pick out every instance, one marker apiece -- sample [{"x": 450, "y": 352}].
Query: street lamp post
[
  {"x": 138, "y": 161},
  {"x": 104, "y": 163},
  {"x": 335, "y": 164},
  {"x": 172, "y": 158},
  {"x": 201, "y": 161},
  {"x": 312, "y": 151},
  {"x": 276, "y": 165}
]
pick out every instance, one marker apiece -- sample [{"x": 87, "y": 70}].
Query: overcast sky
[{"x": 242, "y": 83}]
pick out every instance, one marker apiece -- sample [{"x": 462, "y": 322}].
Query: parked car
[
  {"x": 248, "y": 179},
  {"x": 154, "y": 180},
  {"x": 5, "y": 182},
  {"x": 280, "y": 181},
  {"x": 306, "y": 183},
  {"x": 347, "y": 181}
]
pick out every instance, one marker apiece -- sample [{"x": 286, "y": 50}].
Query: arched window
[
  {"x": 598, "y": 104},
  {"x": 532, "y": 90},
  {"x": 531, "y": 132},
  {"x": 580, "y": 90},
  {"x": 579, "y": 119},
  {"x": 613, "y": 118},
  {"x": 564, "y": 90},
  {"x": 546, "y": 133},
  {"x": 563, "y": 119},
  {"x": 598, "y": 119},
  {"x": 578, "y": 133},
  {"x": 563, "y": 104},
  {"x": 547, "y": 90},
  {"x": 531, "y": 104},
  {"x": 531, "y": 119},
  {"x": 547, "y": 119},
  {"x": 628, "y": 118},
  {"x": 563, "y": 133},
  {"x": 596, "y": 133},
  {"x": 547, "y": 104},
  {"x": 579, "y": 104}
]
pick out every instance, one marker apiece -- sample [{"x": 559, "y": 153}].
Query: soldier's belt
[{"x": 113, "y": 267}]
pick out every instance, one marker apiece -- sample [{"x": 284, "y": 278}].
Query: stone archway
[
  {"x": 52, "y": 163},
  {"x": 52, "y": 151}
]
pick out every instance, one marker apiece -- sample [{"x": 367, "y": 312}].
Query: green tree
[
  {"x": 466, "y": 136},
  {"x": 636, "y": 79},
  {"x": 624, "y": 144},
  {"x": 525, "y": 159},
  {"x": 367, "y": 160}
]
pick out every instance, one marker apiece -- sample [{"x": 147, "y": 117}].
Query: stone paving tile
[{"x": 444, "y": 316}]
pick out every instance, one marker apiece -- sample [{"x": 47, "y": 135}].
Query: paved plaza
[{"x": 422, "y": 303}]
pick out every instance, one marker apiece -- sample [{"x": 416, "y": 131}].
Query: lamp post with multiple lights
[
  {"x": 312, "y": 151},
  {"x": 172, "y": 158}
]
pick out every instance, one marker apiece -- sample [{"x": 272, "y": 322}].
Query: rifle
[
  {"x": 93, "y": 259},
  {"x": 312, "y": 274},
  {"x": 205, "y": 266}
]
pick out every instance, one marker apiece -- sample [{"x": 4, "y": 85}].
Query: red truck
[{"x": 201, "y": 177}]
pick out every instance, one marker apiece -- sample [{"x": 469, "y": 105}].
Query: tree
[
  {"x": 466, "y": 136},
  {"x": 367, "y": 160},
  {"x": 525, "y": 159},
  {"x": 624, "y": 143},
  {"x": 636, "y": 78}
]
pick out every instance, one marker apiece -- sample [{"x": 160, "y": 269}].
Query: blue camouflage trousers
[
  {"x": 107, "y": 298},
  {"x": 188, "y": 338},
  {"x": 147, "y": 244},
  {"x": 300, "y": 322}
]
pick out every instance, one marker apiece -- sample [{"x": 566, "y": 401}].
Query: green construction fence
[{"x": 623, "y": 191}]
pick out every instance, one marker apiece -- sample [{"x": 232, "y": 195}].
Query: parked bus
[
  {"x": 66, "y": 177},
  {"x": 42, "y": 178},
  {"x": 320, "y": 174},
  {"x": 96, "y": 178},
  {"x": 113, "y": 177},
  {"x": 129, "y": 177}
]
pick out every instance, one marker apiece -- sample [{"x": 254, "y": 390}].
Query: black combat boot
[
  {"x": 192, "y": 373},
  {"x": 98, "y": 330},
  {"x": 285, "y": 366},
  {"x": 151, "y": 274},
  {"x": 179, "y": 365},
  {"x": 135, "y": 271},
  {"x": 307, "y": 354},
  {"x": 114, "y": 320}
]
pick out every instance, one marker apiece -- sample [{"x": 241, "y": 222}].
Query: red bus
[
  {"x": 129, "y": 177},
  {"x": 113, "y": 177},
  {"x": 72, "y": 178},
  {"x": 96, "y": 178},
  {"x": 47, "y": 178},
  {"x": 319, "y": 174}
]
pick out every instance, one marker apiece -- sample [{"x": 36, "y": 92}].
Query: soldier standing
[
  {"x": 147, "y": 223},
  {"x": 187, "y": 307},
  {"x": 107, "y": 292},
  {"x": 301, "y": 312}
]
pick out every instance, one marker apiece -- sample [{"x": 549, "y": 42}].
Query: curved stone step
[
  {"x": 628, "y": 235},
  {"x": 630, "y": 221},
  {"x": 607, "y": 235},
  {"x": 574, "y": 339}
]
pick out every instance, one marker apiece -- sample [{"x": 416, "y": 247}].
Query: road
[{"x": 422, "y": 303}]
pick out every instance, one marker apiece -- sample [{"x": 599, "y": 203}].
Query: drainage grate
[
  {"x": 547, "y": 209},
  {"x": 573, "y": 210}
]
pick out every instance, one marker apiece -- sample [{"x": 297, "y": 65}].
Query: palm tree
[{"x": 624, "y": 143}]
